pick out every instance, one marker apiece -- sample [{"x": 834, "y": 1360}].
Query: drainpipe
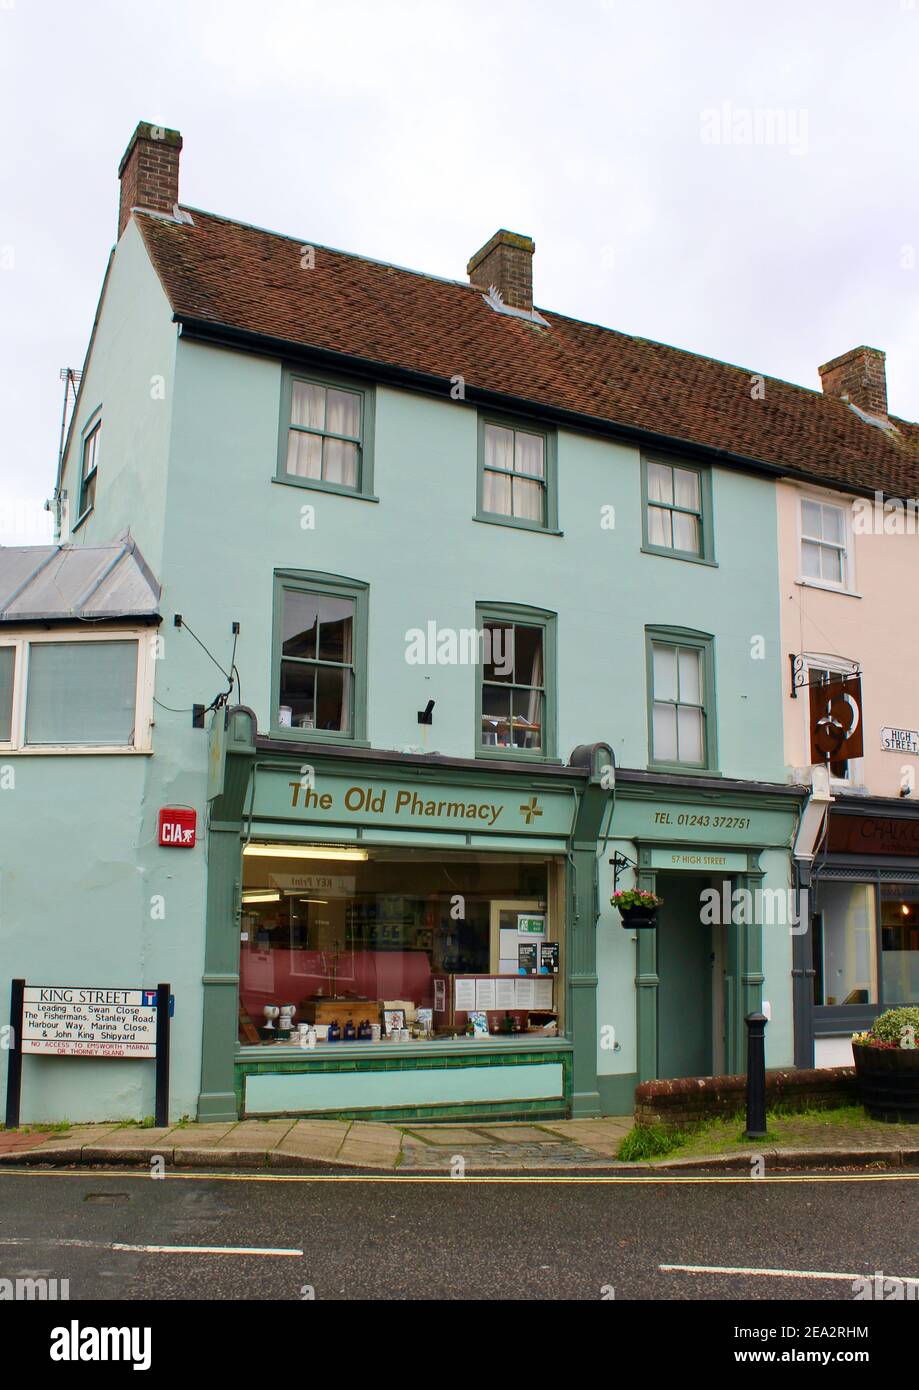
[{"x": 811, "y": 832}]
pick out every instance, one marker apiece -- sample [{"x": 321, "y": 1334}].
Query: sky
[{"x": 739, "y": 180}]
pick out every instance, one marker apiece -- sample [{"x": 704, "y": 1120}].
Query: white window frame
[
  {"x": 22, "y": 641},
  {"x": 841, "y": 666},
  {"x": 847, "y": 586}
]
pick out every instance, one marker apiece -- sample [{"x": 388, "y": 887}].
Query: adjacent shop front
[
  {"x": 718, "y": 852},
  {"x": 862, "y": 953},
  {"x": 396, "y": 936}
]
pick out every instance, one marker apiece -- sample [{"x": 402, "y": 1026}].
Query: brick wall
[{"x": 686, "y": 1101}]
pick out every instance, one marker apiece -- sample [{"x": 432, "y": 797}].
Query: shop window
[
  {"x": 824, "y": 549},
  {"x": 844, "y": 945},
  {"x": 398, "y": 943},
  {"x": 676, "y": 510},
  {"x": 900, "y": 943},
  {"x": 517, "y": 475},
  {"x": 326, "y": 434},
  {"x": 320, "y": 657},
  {"x": 83, "y": 694},
  {"x": 89, "y": 469},
  {"x": 516, "y": 714},
  {"x": 681, "y": 697}
]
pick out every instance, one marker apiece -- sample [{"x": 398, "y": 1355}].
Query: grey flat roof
[{"x": 48, "y": 583}]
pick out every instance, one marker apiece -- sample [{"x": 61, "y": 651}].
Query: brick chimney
[
  {"x": 507, "y": 263},
  {"x": 859, "y": 375},
  {"x": 149, "y": 172}
]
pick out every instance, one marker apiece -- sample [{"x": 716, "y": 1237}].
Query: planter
[
  {"x": 638, "y": 918},
  {"x": 888, "y": 1082}
]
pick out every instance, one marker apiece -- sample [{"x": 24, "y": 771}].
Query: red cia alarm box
[{"x": 177, "y": 827}]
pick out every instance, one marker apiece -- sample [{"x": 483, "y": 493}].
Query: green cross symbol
[{"x": 531, "y": 809}]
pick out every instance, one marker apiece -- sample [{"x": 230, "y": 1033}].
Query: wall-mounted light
[{"x": 426, "y": 715}]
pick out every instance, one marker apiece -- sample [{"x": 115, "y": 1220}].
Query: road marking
[
  {"x": 155, "y": 1249},
  {"x": 650, "y": 1180},
  {"x": 780, "y": 1273}
]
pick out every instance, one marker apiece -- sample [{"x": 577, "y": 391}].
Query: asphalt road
[{"x": 410, "y": 1239}]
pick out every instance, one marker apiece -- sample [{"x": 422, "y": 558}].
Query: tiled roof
[
  {"x": 44, "y": 583},
  {"x": 250, "y": 280}
]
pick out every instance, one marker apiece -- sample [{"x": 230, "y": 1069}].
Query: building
[
  {"x": 466, "y": 612},
  {"x": 848, "y": 559}
]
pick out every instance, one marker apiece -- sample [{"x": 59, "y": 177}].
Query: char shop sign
[{"x": 73, "y": 1021}]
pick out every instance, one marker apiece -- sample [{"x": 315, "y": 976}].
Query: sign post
[
  {"x": 14, "y": 1065},
  {"x": 161, "y": 1116},
  {"x": 85, "y": 1021}
]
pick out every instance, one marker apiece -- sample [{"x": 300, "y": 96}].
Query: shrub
[{"x": 894, "y": 1028}]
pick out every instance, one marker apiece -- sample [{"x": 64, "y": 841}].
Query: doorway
[{"x": 691, "y": 959}]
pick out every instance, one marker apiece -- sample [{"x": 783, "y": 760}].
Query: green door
[{"x": 685, "y": 965}]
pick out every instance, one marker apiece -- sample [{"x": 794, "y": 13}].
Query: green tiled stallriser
[{"x": 550, "y": 1107}]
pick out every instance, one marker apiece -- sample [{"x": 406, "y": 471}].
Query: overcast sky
[{"x": 631, "y": 138}]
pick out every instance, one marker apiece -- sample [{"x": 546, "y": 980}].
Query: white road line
[
  {"x": 156, "y": 1249},
  {"x": 779, "y": 1273},
  {"x": 205, "y": 1250}
]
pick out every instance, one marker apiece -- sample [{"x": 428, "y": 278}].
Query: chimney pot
[
  {"x": 506, "y": 261},
  {"x": 149, "y": 171},
  {"x": 861, "y": 376}
]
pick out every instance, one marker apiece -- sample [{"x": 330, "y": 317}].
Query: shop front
[
  {"x": 717, "y": 852},
  {"x": 861, "y": 955},
  {"x": 400, "y": 937}
]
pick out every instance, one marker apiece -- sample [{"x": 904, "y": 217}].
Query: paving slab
[
  {"x": 371, "y": 1145},
  {"x": 255, "y": 1135},
  {"x": 517, "y": 1134},
  {"x": 321, "y": 1140},
  {"x": 437, "y": 1136}
]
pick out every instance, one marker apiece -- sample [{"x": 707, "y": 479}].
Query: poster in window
[
  {"x": 527, "y": 961},
  {"x": 548, "y": 957}
]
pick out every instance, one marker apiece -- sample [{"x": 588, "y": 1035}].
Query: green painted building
[{"x": 474, "y": 630}]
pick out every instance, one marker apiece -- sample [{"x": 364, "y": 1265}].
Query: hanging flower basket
[
  {"x": 887, "y": 1066},
  {"x": 637, "y": 909}
]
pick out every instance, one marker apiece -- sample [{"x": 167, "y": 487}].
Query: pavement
[{"x": 544, "y": 1146}]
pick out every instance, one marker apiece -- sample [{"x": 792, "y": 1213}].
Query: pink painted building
[{"x": 849, "y": 581}]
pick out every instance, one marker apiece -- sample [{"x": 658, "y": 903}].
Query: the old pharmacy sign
[
  {"x": 78, "y": 1021},
  {"x": 426, "y": 805}
]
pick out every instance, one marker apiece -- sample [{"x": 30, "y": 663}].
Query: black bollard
[{"x": 756, "y": 1075}]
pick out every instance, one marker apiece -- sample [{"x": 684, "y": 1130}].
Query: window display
[
  {"x": 845, "y": 956},
  {"x": 900, "y": 942},
  {"x": 397, "y": 945}
]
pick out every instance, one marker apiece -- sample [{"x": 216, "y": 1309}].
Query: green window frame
[
  {"x": 685, "y": 685},
  {"x": 516, "y": 473},
  {"x": 520, "y": 684},
  {"x": 89, "y": 466},
  {"x": 313, "y": 670},
  {"x": 676, "y": 501},
  {"x": 326, "y": 423}
]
